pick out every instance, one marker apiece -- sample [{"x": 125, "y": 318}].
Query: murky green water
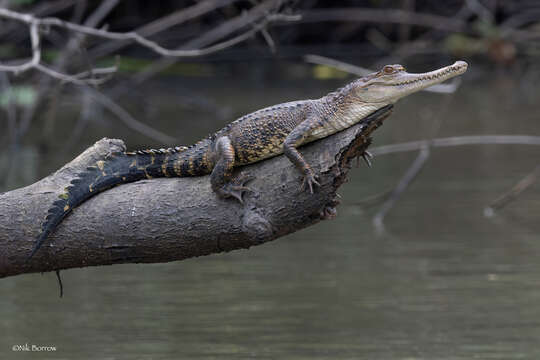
[{"x": 444, "y": 282}]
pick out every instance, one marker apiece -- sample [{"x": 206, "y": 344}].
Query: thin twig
[
  {"x": 425, "y": 145},
  {"x": 66, "y": 56},
  {"x": 256, "y": 14},
  {"x": 336, "y": 64},
  {"x": 80, "y": 78},
  {"x": 457, "y": 141},
  {"x": 35, "y": 23},
  {"x": 373, "y": 200},
  {"x": 265, "y": 10},
  {"x": 412, "y": 172},
  {"x": 60, "y": 285},
  {"x": 161, "y": 24},
  {"x": 35, "y": 62},
  {"x": 131, "y": 36},
  {"x": 36, "y": 51},
  {"x": 152, "y": 69},
  {"x": 42, "y": 9},
  {"x": 513, "y": 193},
  {"x": 101, "y": 13},
  {"x": 268, "y": 38},
  {"x": 128, "y": 119},
  {"x": 88, "y": 109},
  {"x": 479, "y": 9}
]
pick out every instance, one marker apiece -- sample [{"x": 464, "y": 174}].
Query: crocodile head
[{"x": 393, "y": 82}]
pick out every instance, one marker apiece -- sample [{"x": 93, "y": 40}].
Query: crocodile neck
[{"x": 341, "y": 109}]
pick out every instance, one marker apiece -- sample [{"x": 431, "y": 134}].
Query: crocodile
[{"x": 265, "y": 133}]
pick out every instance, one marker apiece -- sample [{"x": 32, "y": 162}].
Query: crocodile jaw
[
  {"x": 410, "y": 83},
  {"x": 387, "y": 89}
]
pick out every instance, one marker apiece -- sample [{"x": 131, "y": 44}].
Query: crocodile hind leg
[{"x": 222, "y": 180}]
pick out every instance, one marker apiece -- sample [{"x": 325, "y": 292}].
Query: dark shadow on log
[{"x": 170, "y": 219}]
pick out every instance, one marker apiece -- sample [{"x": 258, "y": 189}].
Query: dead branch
[
  {"x": 513, "y": 193},
  {"x": 411, "y": 173},
  {"x": 489, "y": 210},
  {"x": 457, "y": 141},
  {"x": 35, "y": 24},
  {"x": 479, "y": 9},
  {"x": 84, "y": 78},
  {"x": 40, "y": 9},
  {"x": 171, "y": 219},
  {"x": 127, "y": 118},
  {"x": 164, "y": 23},
  {"x": 263, "y": 13}
]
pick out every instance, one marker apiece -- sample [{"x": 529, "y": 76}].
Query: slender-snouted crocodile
[{"x": 275, "y": 130}]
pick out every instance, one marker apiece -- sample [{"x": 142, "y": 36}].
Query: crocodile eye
[{"x": 388, "y": 70}]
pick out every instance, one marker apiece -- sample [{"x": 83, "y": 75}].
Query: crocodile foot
[
  {"x": 310, "y": 180},
  {"x": 236, "y": 187},
  {"x": 367, "y": 156}
]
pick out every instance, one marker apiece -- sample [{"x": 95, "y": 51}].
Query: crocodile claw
[
  {"x": 236, "y": 188},
  {"x": 367, "y": 156},
  {"x": 309, "y": 181}
]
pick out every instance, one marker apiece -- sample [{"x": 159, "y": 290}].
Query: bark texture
[{"x": 171, "y": 219}]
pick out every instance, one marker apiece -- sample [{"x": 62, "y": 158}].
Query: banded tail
[{"x": 121, "y": 168}]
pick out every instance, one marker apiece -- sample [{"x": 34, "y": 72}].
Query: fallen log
[{"x": 171, "y": 219}]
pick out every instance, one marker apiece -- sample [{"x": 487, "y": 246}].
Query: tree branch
[
  {"x": 262, "y": 13},
  {"x": 129, "y": 36},
  {"x": 34, "y": 24},
  {"x": 457, "y": 141},
  {"x": 176, "y": 18},
  {"x": 513, "y": 193},
  {"x": 411, "y": 173},
  {"x": 171, "y": 219}
]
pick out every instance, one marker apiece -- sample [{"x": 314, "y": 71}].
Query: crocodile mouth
[{"x": 437, "y": 76}]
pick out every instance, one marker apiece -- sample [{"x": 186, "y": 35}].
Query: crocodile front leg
[
  {"x": 296, "y": 138},
  {"x": 222, "y": 180}
]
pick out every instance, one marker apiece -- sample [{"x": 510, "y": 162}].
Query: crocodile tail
[{"x": 118, "y": 168}]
